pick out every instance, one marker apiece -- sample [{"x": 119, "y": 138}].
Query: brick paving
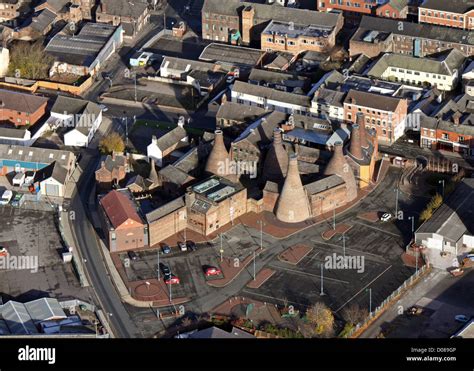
[
  {"x": 261, "y": 277},
  {"x": 370, "y": 216},
  {"x": 340, "y": 229},
  {"x": 294, "y": 254}
]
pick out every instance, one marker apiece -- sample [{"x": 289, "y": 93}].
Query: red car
[
  {"x": 212, "y": 271},
  {"x": 3, "y": 251},
  {"x": 172, "y": 280}
]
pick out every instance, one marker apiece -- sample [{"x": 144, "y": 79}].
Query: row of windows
[
  {"x": 408, "y": 72},
  {"x": 442, "y": 15}
]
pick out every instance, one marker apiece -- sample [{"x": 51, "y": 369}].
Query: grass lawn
[{"x": 166, "y": 126}]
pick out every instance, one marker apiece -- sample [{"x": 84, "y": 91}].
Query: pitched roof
[
  {"x": 453, "y": 6},
  {"x": 420, "y": 30},
  {"x": 165, "y": 209},
  {"x": 123, "y": 8},
  {"x": 231, "y": 54},
  {"x": 170, "y": 138},
  {"x": 376, "y": 101},
  {"x": 271, "y": 94},
  {"x": 444, "y": 64},
  {"x": 21, "y": 102},
  {"x": 456, "y": 216},
  {"x": 324, "y": 184},
  {"x": 119, "y": 208}
]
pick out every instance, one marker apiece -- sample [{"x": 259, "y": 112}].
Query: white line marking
[
  {"x": 362, "y": 289},
  {"x": 307, "y": 274}
]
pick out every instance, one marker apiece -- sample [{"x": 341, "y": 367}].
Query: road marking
[
  {"x": 307, "y": 274},
  {"x": 274, "y": 298},
  {"x": 362, "y": 289},
  {"x": 377, "y": 229}
]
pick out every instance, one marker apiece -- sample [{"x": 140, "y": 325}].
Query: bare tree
[
  {"x": 354, "y": 313},
  {"x": 29, "y": 61}
]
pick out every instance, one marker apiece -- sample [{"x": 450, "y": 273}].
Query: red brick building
[
  {"x": 21, "y": 109},
  {"x": 354, "y": 9},
  {"x": 123, "y": 227},
  {"x": 385, "y": 114},
  {"x": 452, "y": 13}
]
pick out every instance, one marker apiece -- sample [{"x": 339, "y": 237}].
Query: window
[
  {"x": 445, "y": 136},
  {"x": 460, "y": 139}
]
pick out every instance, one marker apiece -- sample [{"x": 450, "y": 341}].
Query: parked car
[
  {"x": 191, "y": 245},
  {"x": 6, "y": 197},
  {"x": 3, "y": 251},
  {"x": 462, "y": 318},
  {"x": 182, "y": 246},
  {"x": 166, "y": 249},
  {"x": 132, "y": 255},
  {"x": 386, "y": 217},
  {"x": 103, "y": 107},
  {"x": 212, "y": 271},
  {"x": 165, "y": 269},
  {"x": 172, "y": 280}
]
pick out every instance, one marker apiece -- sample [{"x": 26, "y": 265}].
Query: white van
[{"x": 6, "y": 197}]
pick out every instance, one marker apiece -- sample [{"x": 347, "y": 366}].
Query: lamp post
[
  {"x": 442, "y": 182},
  {"x": 221, "y": 250},
  {"x": 397, "y": 191},
  {"x": 158, "y": 266},
  {"x": 322, "y": 281},
  {"x": 261, "y": 233},
  {"x": 254, "y": 268},
  {"x": 412, "y": 218},
  {"x": 370, "y": 300}
]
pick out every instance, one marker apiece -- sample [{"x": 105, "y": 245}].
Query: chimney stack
[
  {"x": 360, "y": 120},
  {"x": 219, "y": 159},
  {"x": 293, "y": 205},
  {"x": 339, "y": 166},
  {"x": 356, "y": 144},
  {"x": 457, "y": 118},
  {"x": 276, "y": 162},
  {"x": 153, "y": 177}
]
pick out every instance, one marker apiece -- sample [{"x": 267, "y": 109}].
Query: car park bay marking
[
  {"x": 333, "y": 246},
  {"x": 377, "y": 229},
  {"x": 308, "y": 274},
  {"x": 362, "y": 289}
]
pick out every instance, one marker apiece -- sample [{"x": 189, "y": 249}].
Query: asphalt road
[{"x": 88, "y": 244}]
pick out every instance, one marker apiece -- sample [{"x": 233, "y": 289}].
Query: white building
[
  {"x": 80, "y": 118},
  {"x": 443, "y": 71},
  {"x": 160, "y": 148},
  {"x": 451, "y": 228},
  {"x": 270, "y": 99},
  {"x": 4, "y": 61}
]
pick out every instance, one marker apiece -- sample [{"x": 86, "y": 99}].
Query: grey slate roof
[
  {"x": 376, "y": 101},
  {"x": 17, "y": 318},
  {"x": 170, "y": 138},
  {"x": 422, "y": 31},
  {"x": 265, "y": 12},
  {"x": 21, "y": 102},
  {"x": 445, "y": 64},
  {"x": 239, "y": 112},
  {"x": 456, "y": 216},
  {"x": 324, "y": 184},
  {"x": 166, "y": 209},
  {"x": 43, "y": 20},
  {"x": 123, "y": 8},
  {"x": 454, "y": 6}
]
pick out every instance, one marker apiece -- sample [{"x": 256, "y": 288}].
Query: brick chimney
[
  {"x": 293, "y": 205},
  {"x": 457, "y": 118},
  {"x": 339, "y": 166},
  {"x": 356, "y": 143},
  {"x": 248, "y": 15},
  {"x": 360, "y": 120},
  {"x": 276, "y": 162}
]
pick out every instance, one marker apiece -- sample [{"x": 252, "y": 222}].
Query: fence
[{"x": 387, "y": 302}]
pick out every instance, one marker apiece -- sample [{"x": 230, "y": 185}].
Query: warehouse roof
[
  {"x": 165, "y": 209},
  {"x": 83, "y": 48},
  {"x": 123, "y": 8},
  {"x": 231, "y": 54},
  {"x": 376, "y": 101},
  {"x": 45, "y": 309},
  {"x": 17, "y": 318}
]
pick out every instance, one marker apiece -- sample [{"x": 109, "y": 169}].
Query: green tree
[
  {"x": 112, "y": 143},
  {"x": 29, "y": 61}
]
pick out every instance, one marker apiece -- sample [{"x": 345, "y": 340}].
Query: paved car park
[{"x": 32, "y": 235}]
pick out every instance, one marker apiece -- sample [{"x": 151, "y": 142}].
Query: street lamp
[
  {"x": 158, "y": 266},
  {"x": 254, "y": 268},
  {"x": 442, "y": 182},
  {"x": 370, "y": 300},
  {"x": 261, "y": 233},
  {"x": 397, "y": 191},
  {"x": 412, "y": 218},
  {"x": 221, "y": 250},
  {"x": 322, "y": 281}
]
